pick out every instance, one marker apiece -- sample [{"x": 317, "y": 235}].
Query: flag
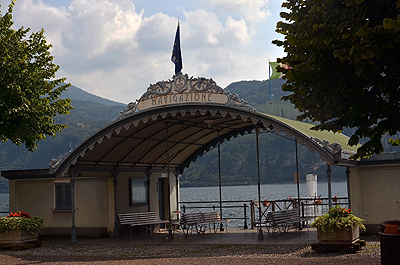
[
  {"x": 176, "y": 57},
  {"x": 275, "y": 74}
]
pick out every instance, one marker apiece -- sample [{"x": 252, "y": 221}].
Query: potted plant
[
  {"x": 318, "y": 201},
  {"x": 19, "y": 227},
  {"x": 339, "y": 224}
]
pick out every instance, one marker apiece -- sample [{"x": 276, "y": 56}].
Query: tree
[
  {"x": 344, "y": 69},
  {"x": 29, "y": 99}
]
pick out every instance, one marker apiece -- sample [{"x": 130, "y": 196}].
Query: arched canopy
[{"x": 138, "y": 139}]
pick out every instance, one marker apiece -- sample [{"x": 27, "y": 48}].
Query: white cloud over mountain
[{"x": 116, "y": 48}]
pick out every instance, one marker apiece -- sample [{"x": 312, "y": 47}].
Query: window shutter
[
  {"x": 68, "y": 199},
  {"x": 63, "y": 196},
  {"x": 59, "y": 196}
]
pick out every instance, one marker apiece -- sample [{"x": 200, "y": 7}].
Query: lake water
[
  {"x": 268, "y": 191},
  {"x": 238, "y": 193},
  {"x": 4, "y": 206},
  {"x": 250, "y": 192}
]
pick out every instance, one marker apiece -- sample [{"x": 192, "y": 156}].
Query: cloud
[
  {"x": 99, "y": 25},
  {"x": 250, "y": 10},
  {"x": 55, "y": 21},
  {"x": 112, "y": 49},
  {"x": 238, "y": 30},
  {"x": 157, "y": 33},
  {"x": 226, "y": 66},
  {"x": 202, "y": 28}
]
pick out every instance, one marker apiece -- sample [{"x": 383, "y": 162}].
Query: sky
[{"x": 117, "y": 48}]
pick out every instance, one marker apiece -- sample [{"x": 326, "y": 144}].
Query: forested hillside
[
  {"x": 88, "y": 116},
  {"x": 238, "y": 156},
  {"x": 258, "y": 92}
]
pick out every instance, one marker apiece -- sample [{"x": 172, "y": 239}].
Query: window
[
  {"x": 138, "y": 191},
  {"x": 62, "y": 196}
]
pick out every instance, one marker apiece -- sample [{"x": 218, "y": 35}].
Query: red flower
[{"x": 19, "y": 214}]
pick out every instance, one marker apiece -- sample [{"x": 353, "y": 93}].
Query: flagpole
[{"x": 269, "y": 73}]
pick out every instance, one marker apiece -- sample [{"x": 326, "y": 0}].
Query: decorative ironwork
[
  {"x": 335, "y": 149},
  {"x": 132, "y": 108},
  {"x": 202, "y": 84},
  {"x": 238, "y": 102},
  {"x": 184, "y": 90},
  {"x": 55, "y": 162}
]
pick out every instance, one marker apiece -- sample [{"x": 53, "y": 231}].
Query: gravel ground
[{"x": 53, "y": 252}]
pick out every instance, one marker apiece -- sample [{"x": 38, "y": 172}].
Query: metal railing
[
  {"x": 236, "y": 211},
  {"x": 239, "y": 212},
  {"x": 4, "y": 214},
  {"x": 309, "y": 207}
]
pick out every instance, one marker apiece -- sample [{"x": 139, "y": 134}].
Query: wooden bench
[
  {"x": 294, "y": 220},
  {"x": 282, "y": 221},
  {"x": 201, "y": 222},
  {"x": 190, "y": 221},
  {"x": 214, "y": 220},
  {"x": 147, "y": 219},
  {"x": 276, "y": 222}
]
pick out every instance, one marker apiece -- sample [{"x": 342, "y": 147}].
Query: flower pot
[
  {"x": 340, "y": 235},
  {"x": 266, "y": 203},
  {"x": 17, "y": 236}
]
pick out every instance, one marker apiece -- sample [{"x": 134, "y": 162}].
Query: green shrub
[
  {"x": 21, "y": 221},
  {"x": 338, "y": 218}
]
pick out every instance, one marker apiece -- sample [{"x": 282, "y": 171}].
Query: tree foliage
[
  {"x": 29, "y": 99},
  {"x": 344, "y": 64}
]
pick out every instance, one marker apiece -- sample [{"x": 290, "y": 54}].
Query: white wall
[{"x": 375, "y": 194}]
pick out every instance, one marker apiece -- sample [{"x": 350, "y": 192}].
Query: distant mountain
[
  {"x": 90, "y": 114},
  {"x": 258, "y": 92},
  {"x": 77, "y": 94}
]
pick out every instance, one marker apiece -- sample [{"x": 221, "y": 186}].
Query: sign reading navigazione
[
  {"x": 184, "y": 98},
  {"x": 184, "y": 90}
]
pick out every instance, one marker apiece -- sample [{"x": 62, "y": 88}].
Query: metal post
[
  {"x": 348, "y": 186},
  {"x": 170, "y": 234},
  {"x": 148, "y": 190},
  {"x": 74, "y": 237},
  {"x": 252, "y": 214},
  {"x": 297, "y": 180},
  {"x": 329, "y": 175},
  {"x": 270, "y": 86},
  {"x": 260, "y": 232},
  {"x": 221, "y": 228},
  {"x": 178, "y": 208},
  {"x": 116, "y": 226},
  {"x": 245, "y": 217}
]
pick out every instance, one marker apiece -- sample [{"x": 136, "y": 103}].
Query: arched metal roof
[{"x": 176, "y": 135}]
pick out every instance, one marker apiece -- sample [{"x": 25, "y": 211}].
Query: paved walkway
[
  {"x": 231, "y": 236},
  {"x": 235, "y": 247}
]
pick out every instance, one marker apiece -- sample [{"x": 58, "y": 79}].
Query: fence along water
[
  {"x": 244, "y": 214},
  {"x": 236, "y": 200}
]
